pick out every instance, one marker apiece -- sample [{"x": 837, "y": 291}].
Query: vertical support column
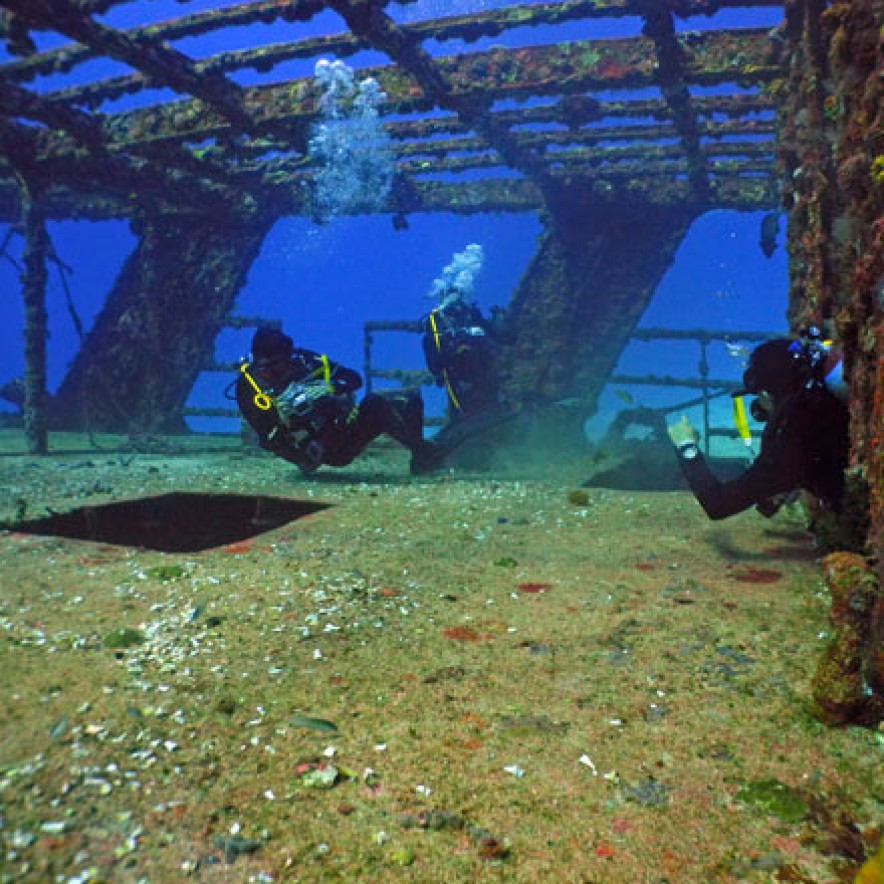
[
  {"x": 830, "y": 148},
  {"x": 582, "y": 295},
  {"x": 157, "y": 329},
  {"x": 804, "y": 147},
  {"x": 34, "y": 280}
]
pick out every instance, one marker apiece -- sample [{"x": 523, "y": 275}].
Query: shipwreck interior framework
[{"x": 619, "y": 144}]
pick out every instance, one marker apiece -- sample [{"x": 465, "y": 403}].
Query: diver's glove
[
  {"x": 299, "y": 399},
  {"x": 683, "y": 436}
]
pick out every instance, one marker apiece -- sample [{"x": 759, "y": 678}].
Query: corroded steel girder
[
  {"x": 64, "y": 58},
  {"x": 575, "y": 307},
  {"x": 660, "y": 27},
  {"x": 608, "y": 162},
  {"x": 736, "y": 56},
  {"x": 264, "y": 58},
  {"x": 366, "y": 20},
  {"x": 586, "y": 109},
  {"x": 136, "y": 367},
  {"x": 496, "y": 195},
  {"x": 559, "y": 138},
  {"x": 18, "y": 102},
  {"x": 161, "y": 63},
  {"x": 467, "y": 27},
  {"x": 161, "y": 183}
]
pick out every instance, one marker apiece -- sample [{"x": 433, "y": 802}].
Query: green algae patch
[
  {"x": 166, "y": 573},
  {"x": 313, "y": 724},
  {"x": 775, "y": 798},
  {"x": 123, "y": 638}
]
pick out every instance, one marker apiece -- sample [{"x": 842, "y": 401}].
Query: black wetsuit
[
  {"x": 461, "y": 356},
  {"x": 330, "y": 428},
  {"x": 804, "y": 446}
]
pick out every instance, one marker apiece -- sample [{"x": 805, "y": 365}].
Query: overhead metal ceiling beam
[
  {"x": 660, "y": 27},
  {"x": 637, "y": 135},
  {"x": 606, "y": 161},
  {"x": 65, "y": 58},
  {"x": 368, "y": 21},
  {"x": 738, "y": 108},
  {"x": 569, "y": 69},
  {"x": 18, "y": 102},
  {"x": 164, "y": 65},
  {"x": 491, "y": 196},
  {"x": 487, "y": 24}
]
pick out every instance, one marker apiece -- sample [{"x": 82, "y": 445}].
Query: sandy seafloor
[{"x": 525, "y": 688}]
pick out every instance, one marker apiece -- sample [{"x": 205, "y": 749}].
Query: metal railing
[{"x": 710, "y": 388}]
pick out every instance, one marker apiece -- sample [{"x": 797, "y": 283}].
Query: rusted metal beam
[
  {"x": 36, "y": 328},
  {"x": 264, "y": 58},
  {"x": 630, "y": 166},
  {"x": 161, "y": 63},
  {"x": 65, "y": 58},
  {"x": 498, "y": 195},
  {"x": 368, "y": 21},
  {"x": 568, "y": 69},
  {"x": 91, "y": 168},
  {"x": 588, "y": 136},
  {"x": 614, "y": 163},
  {"x": 605, "y": 163},
  {"x": 587, "y": 110},
  {"x": 468, "y": 27},
  {"x": 659, "y": 26},
  {"x": 18, "y": 102},
  {"x": 422, "y": 143}
]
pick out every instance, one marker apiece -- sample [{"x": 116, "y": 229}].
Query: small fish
[
  {"x": 236, "y": 846},
  {"x": 58, "y": 728},
  {"x": 622, "y": 394},
  {"x": 312, "y": 724},
  {"x": 570, "y": 402},
  {"x": 770, "y": 228},
  {"x": 737, "y": 351},
  {"x": 198, "y": 610}
]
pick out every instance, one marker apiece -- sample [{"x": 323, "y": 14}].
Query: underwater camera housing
[{"x": 821, "y": 361}]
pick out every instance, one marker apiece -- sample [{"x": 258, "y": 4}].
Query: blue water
[{"x": 324, "y": 283}]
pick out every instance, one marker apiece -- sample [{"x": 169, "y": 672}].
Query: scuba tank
[{"x": 824, "y": 361}]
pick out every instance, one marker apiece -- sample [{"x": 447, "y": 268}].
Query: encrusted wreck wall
[
  {"x": 158, "y": 327},
  {"x": 832, "y": 152},
  {"x": 578, "y": 303}
]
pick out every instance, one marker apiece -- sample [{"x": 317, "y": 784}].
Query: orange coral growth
[
  {"x": 462, "y": 634},
  {"x": 750, "y": 574}
]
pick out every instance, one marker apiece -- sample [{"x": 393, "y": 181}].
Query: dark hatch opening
[{"x": 178, "y": 522}]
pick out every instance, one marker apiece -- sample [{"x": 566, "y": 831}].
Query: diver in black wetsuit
[
  {"x": 459, "y": 348},
  {"x": 302, "y": 407},
  {"x": 804, "y": 445}
]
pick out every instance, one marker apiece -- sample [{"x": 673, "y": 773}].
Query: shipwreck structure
[{"x": 619, "y": 144}]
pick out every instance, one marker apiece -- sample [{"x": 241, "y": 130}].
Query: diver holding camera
[
  {"x": 303, "y": 409},
  {"x": 800, "y": 398}
]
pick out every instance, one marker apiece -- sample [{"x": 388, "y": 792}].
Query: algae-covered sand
[{"x": 454, "y": 678}]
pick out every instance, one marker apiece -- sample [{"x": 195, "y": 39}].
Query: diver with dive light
[{"x": 800, "y": 398}]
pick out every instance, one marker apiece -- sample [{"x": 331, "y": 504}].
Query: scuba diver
[
  {"x": 804, "y": 446},
  {"x": 460, "y": 352},
  {"x": 302, "y": 407}
]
